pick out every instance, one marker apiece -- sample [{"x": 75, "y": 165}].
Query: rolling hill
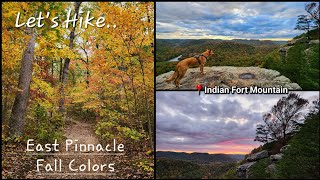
[
  {"x": 181, "y": 165},
  {"x": 200, "y": 158}
]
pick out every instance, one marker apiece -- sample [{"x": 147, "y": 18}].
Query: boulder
[
  {"x": 227, "y": 76},
  {"x": 314, "y": 41},
  {"x": 258, "y": 155},
  {"x": 242, "y": 171},
  {"x": 284, "y": 148},
  {"x": 285, "y": 49},
  {"x": 276, "y": 157},
  {"x": 290, "y": 43},
  {"x": 271, "y": 168}
]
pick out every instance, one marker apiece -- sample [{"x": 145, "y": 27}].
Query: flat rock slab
[
  {"x": 258, "y": 155},
  {"x": 227, "y": 76}
]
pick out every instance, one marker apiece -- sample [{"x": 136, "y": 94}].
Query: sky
[
  {"x": 187, "y": 122},
  {"x": 228, "y": 20}
]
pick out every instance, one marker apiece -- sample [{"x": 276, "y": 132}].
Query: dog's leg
[
  {"x": 201, "y": 69},
  {"x": 181, "y": 75},
  {"x": 176, "y": 82},
  {"x": 174, "y": 76}
]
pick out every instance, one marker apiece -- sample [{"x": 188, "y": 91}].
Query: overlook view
[
  {"x": 220, "y": 136},
  {"x": 237, "y": 44},
  {"x": 283, "y": 38}
]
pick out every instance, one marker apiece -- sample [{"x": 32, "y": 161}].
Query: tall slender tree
[
  {"x": 283, "y": 120},
  {"x": 67, "y": 60},
  {"x": 17, "y": 119}
]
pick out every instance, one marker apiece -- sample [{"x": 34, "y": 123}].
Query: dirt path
[
  {"x": 132, "y": 164},
  {"x": 84, "y": 133}
]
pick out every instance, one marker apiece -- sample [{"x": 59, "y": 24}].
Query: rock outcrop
[
  {"x": 257, "y": 156},
  {"x": 243, "y": 170},
  {"x": 271, "y": 168},
  {"x": 284, "y": 148},
  {"x": 228, "y": 76},
  {"x": 314, "y": 41},
  {"x": 298, "y": 41},
  {"x": 276, "y": 157}
]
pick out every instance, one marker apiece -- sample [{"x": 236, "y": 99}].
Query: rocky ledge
[{"x": 228, "y": 76}]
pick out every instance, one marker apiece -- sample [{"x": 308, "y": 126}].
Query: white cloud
[{"x": 227, "y": 20}]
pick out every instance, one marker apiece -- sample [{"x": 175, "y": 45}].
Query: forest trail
[{"x": 84, "y": 133}]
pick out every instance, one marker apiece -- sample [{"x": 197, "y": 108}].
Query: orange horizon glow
[
  {"x": 190, "y": 152},
  {"x": 224, "y": 147},
  {"x": 210, "y": 152}
]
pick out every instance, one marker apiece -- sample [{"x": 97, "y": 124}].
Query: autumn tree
[
  {"x": 103, "y": 74},
  {"x": 115, "y": 85},
  {"x": 19, "y": 108},
  {"x": 20, "y": 103},
  {"x": 283, "y": 120},
  {"x": 67, "y": 60}
]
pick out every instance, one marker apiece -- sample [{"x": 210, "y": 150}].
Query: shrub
[
  {"x": 109, "y": 130},
  {"x": 258, "y": 170},
  {"x": 43, "y": 126}
]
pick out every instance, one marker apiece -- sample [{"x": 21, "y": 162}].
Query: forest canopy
[{"x": 103, "y": 74}]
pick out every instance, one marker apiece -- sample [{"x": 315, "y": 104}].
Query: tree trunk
[
  {"x": 126, "y": 94},
  {"x": 61, "y": 65},
  {"x": 308, "y": 36},
  {"x": 19, "y": 108},
  {"x": 5, "y": 109},
  {"x": 87, "y": 67},
  {"x": 135, "y": 103},
  {"x": 67, "y": 61},
  {"x": 146, "y": 103}
]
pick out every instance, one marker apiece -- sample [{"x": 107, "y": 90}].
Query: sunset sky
[
  {"x": 187, "y": 122},
  {"x": 228, "y": 20}
]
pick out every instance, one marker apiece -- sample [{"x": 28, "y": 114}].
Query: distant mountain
[
  {"x": 179, "y": 169},
  {"x": 254, "y": 42},
  {"x": 257, "y": 42},
  {"x": 226, "y": 51},
  {"x": 200, "y": 158}
]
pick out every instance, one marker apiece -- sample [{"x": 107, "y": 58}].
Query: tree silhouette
[
  {"x": 262, "y": 134},
  {"x": 283, "y": 120},
  {"x": 315, "y": 107},
  {"x": 313, "y": 10},
  {"x": 304, "y": 24}
]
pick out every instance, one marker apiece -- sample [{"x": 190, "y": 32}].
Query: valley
[
  {"x": 296, "y": 59},
  {"x": 183, "y": 165}
]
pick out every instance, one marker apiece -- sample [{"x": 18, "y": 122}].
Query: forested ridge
[
  {"x": 99, "y": 76},
  {"x": 181, "y": 165},
  {"x": 299, "y": 61}
]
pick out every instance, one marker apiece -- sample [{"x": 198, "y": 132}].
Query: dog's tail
[{"x": 173, "y": 77}]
